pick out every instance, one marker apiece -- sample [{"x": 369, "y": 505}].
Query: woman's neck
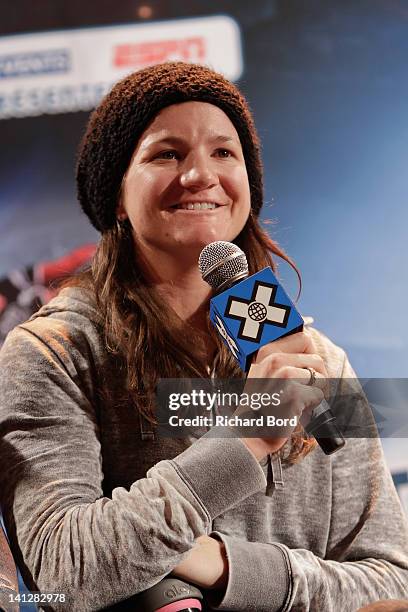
[
  {"x": 181, "y": 287},
  {"x": 189, "y": 300},
  {"x": 179, "y": 282}
]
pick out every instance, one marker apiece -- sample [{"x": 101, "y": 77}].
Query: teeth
[{"x": 197, "y": 206}]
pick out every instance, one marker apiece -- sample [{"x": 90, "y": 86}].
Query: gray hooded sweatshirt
[{"x": 100, "y": 508}]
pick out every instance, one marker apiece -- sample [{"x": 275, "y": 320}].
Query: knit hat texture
[{"x": 116, "y": 125}]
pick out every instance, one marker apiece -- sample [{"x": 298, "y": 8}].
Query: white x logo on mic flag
[{"x": 258, "y": 310}]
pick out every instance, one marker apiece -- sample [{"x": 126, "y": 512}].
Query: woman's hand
[
  {"x": 206, "y": 566},
  {"x": 287, "y": 360}
]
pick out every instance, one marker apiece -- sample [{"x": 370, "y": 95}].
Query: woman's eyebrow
[
  {"x": 222, "y": 138},
  {"x": 176, "y": 140}
]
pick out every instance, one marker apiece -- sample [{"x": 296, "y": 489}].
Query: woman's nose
[{"x": 197, "y": 175}]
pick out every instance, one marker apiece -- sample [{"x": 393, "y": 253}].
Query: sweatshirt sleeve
[
  {"x": 66, "y": 536},
  {"x": 366, "y": 558}
]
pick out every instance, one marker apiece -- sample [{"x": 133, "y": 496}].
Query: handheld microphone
[
  {"x": 170, "y": 595},
  {"x": 251, "y": 311}
]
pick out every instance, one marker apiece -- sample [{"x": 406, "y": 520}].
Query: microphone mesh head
[{"x": 220, "y": 262}]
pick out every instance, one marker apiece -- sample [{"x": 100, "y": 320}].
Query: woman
[{"x": 97, "y": 506}]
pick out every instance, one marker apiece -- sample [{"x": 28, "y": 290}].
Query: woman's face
[{"x": 187, "y": 184}]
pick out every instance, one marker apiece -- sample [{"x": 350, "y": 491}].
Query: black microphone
[
  {"x": 170, "y": 595},
  {"x": 251, "y": 311}
]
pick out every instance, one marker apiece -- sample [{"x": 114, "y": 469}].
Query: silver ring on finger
[{"x": 312, "y": 378}]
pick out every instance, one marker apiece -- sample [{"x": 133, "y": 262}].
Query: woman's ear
[{"x": 121, "y": 213}]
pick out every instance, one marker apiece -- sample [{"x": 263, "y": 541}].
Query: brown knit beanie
[{"x": 117, "y": 123}]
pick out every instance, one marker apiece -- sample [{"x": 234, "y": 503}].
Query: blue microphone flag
[{"x": 254, "y": 312}]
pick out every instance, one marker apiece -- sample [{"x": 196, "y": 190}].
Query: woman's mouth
[{"x": 196, "y": 206}]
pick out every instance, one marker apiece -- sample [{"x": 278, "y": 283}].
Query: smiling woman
[
  {"x": 182, "y": 189},
  {"x": 96, "y": 505}
]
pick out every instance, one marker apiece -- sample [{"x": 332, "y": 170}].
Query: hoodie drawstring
[
  {"x": 146, "y": 428},
  {"x": 274, "y": 478}
]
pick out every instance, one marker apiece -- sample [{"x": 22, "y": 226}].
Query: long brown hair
[{"x": 149, "y": 342}]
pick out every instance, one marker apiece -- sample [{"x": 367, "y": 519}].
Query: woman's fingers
[
  {"x": 301, "y": 342},
  {"x": 303, "y": 398},
  {"x": 296, "y": 400},
  {"x": 291, "y": 368},
  {"x": 276, "y": 361},
  {"x": 287, "y": 365},
  {"x": 302, "y": 376}
]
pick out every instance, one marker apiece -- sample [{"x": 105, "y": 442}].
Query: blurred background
[{"x": 327, "y": 82}]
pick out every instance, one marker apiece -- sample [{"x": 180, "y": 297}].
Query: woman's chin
[{"x": 199, "y": 241}]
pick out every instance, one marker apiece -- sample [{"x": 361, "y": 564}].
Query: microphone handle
[{"x": 324, "y": 429}]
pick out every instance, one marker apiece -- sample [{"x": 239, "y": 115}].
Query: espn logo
[{"x": 155, "y": 52}]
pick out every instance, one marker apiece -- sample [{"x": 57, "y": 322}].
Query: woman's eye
[
  {"x": 167, "y": 155},
  {"x": 223, "y": 153}
]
